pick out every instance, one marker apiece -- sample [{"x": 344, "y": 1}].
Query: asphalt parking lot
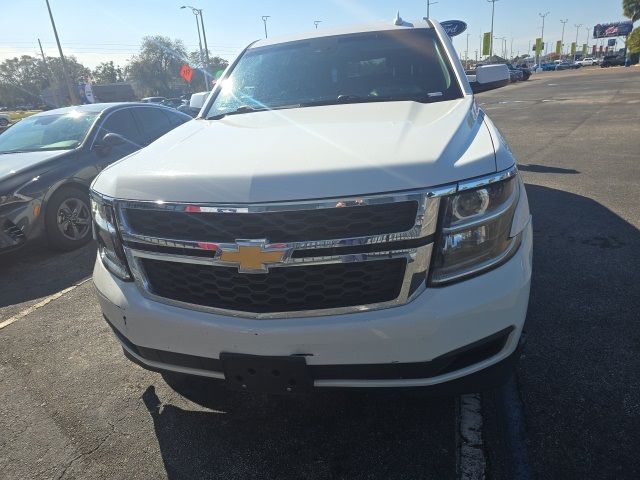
[{"x": 72, "y": 407}]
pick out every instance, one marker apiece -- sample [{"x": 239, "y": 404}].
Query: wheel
[
  {"x": 68, "y": 219},
  {"x": 4, "y": 122}
]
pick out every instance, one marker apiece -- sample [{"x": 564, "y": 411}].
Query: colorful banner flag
[
  {"x": 486, "y": 43},
  {"x": 559, "y": 47},
  {"x": 538, "y": 45},
  {"x": 584, "y": 48},
  {"x": 573, "y": 48}
]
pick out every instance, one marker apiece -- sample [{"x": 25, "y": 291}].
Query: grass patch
[{"x": 15, "y": 116}]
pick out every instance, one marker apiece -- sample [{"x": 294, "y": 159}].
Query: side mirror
[
  {"x": 109, "y": 141},
  {"x": 489, "y": 77},
  {"x": 198, "y": 100},
  {"x": 113, "y": 140}
]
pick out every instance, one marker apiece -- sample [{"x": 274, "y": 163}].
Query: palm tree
[{"x": 631, "y": 9}]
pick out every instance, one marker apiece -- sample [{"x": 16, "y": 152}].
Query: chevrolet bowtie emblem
[{"x": 253, "y": 257}]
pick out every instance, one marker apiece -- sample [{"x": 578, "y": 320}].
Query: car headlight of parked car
[
  {"x": 476, "y": 231},
  {"x": 105, "y": 232}
]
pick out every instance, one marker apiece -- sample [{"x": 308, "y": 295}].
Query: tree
[
  {"x": 23, "y": 79},
  {"x": 215, "y": 67},
  {"x": 107, "y": 72},
  {"x": 631, "y": 9},
  {"x": 633, "y": 42},
  {"x": 156, "y": 69}
]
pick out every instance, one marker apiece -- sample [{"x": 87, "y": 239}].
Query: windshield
[
  {"x": 47, "y": 132},
  {"x": 365, "y": 67}
]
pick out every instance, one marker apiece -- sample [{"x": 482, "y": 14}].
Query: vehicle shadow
[
  {"x": 580, "y": 368},
  {"x": 36, "y": 271},
  {"x": 544, "y": 169},
  {"x": 325, "y": 436}
]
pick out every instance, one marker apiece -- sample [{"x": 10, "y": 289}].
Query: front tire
[
  {"x": 4, "y": 122},
  {"x": 68, "y": 219}
]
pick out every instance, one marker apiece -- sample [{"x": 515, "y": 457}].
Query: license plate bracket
[{"x": 266, "y": 374}]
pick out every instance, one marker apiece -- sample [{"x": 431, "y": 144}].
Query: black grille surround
[
  {"x": 278, "y": 226},
  {"x": 300, "y": 288}
]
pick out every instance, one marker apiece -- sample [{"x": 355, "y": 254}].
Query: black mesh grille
[
  {"x": 277, "y": 227},
  {"x": 284, "y": 289}
]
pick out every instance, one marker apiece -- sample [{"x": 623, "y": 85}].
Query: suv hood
[{"x": 308, "y": 153}]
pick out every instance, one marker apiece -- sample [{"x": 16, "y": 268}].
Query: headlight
[
  {"x": 105, "y": 232},
  {"x": 475, "y": 232}
]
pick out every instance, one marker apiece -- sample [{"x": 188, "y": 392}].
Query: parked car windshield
[
  {"x": 365, "y": 67},
  {"x": 47, "y": 132}
]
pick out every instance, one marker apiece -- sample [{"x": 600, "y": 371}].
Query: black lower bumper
[{"x": 485, "y": 379}]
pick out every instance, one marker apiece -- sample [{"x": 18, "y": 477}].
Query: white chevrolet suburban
[{"x": 340, "y": 214}]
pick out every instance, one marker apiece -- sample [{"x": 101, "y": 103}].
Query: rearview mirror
[
  {"x": 489, "y": 77},
  {"x": 198, "y": 100}
]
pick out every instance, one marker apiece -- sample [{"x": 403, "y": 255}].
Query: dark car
[
  {"x": 172, "y": 102},
  {"x": 48, "y": 160},
  {"x": 612, "y": 61},
  {"x": 159, "y": 100},
  {"x": 526, "y": 71},
  {"x": 515, "y": 74}
]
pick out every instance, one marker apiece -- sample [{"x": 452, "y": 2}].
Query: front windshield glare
[
  {"x": 365, "y": 67},
  {"x": 47, "y": 132}
]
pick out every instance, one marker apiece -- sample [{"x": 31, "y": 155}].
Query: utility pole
[
  {"x": 264, "y": 19},
  {"x": 564, "y": 22},
  {"x": 429, "y": 3},
  {"x": 493, "y": 11},
  {"x": 317, "y": 22},
  {"x": 73, "y": 97},
  {"x": 54, "y": 91},
  {"x": 511, "y": 54},
  {"x": 575, "y": 55},
  {"x": 543, "y": 15}
]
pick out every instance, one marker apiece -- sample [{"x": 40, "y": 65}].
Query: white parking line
[
  {"x": 471, "y": 463},
  {"x": 40, "y": 304}
]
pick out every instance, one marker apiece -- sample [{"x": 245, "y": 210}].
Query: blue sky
[{"x": 100, "y": 30}]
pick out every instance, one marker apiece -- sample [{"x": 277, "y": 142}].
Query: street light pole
[
  {"x": 587, "y": 41},
  {"x": 264, "y": 19},
  {"x": 196, "y": 12},
  {"x": 317, "y": 22},
  {"x": 466, "y": 52},
  {"x": 543, "y": 15},
  {"x": 493, "y": 11},
  {"x": 429, "y": 3},
  {"x": 73, "y": 97},
  {"x": 564, "y": 22},
  {"x": 575, "y": 55}
]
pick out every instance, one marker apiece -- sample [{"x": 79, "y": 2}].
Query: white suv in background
[{"x": 340, "y": 214}]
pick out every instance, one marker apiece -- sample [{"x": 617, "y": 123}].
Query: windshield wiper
[
  {"x": 237, "y": 111},
  {"x": 354, "y": 99},
  {"x": 249, "y": 109}
]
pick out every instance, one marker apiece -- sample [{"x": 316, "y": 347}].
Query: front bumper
[
  {"x": 369, "y": 349},
  {"x": 18, "y": 222}
]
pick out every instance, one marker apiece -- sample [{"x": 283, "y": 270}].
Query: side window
[
  {"x": 176, "y": 118},
  {"x": 153, "y": 121},
  {"x": 122, "y": 123}
]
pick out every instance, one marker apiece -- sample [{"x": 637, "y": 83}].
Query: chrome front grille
[{"x": 374, "y": 253}]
